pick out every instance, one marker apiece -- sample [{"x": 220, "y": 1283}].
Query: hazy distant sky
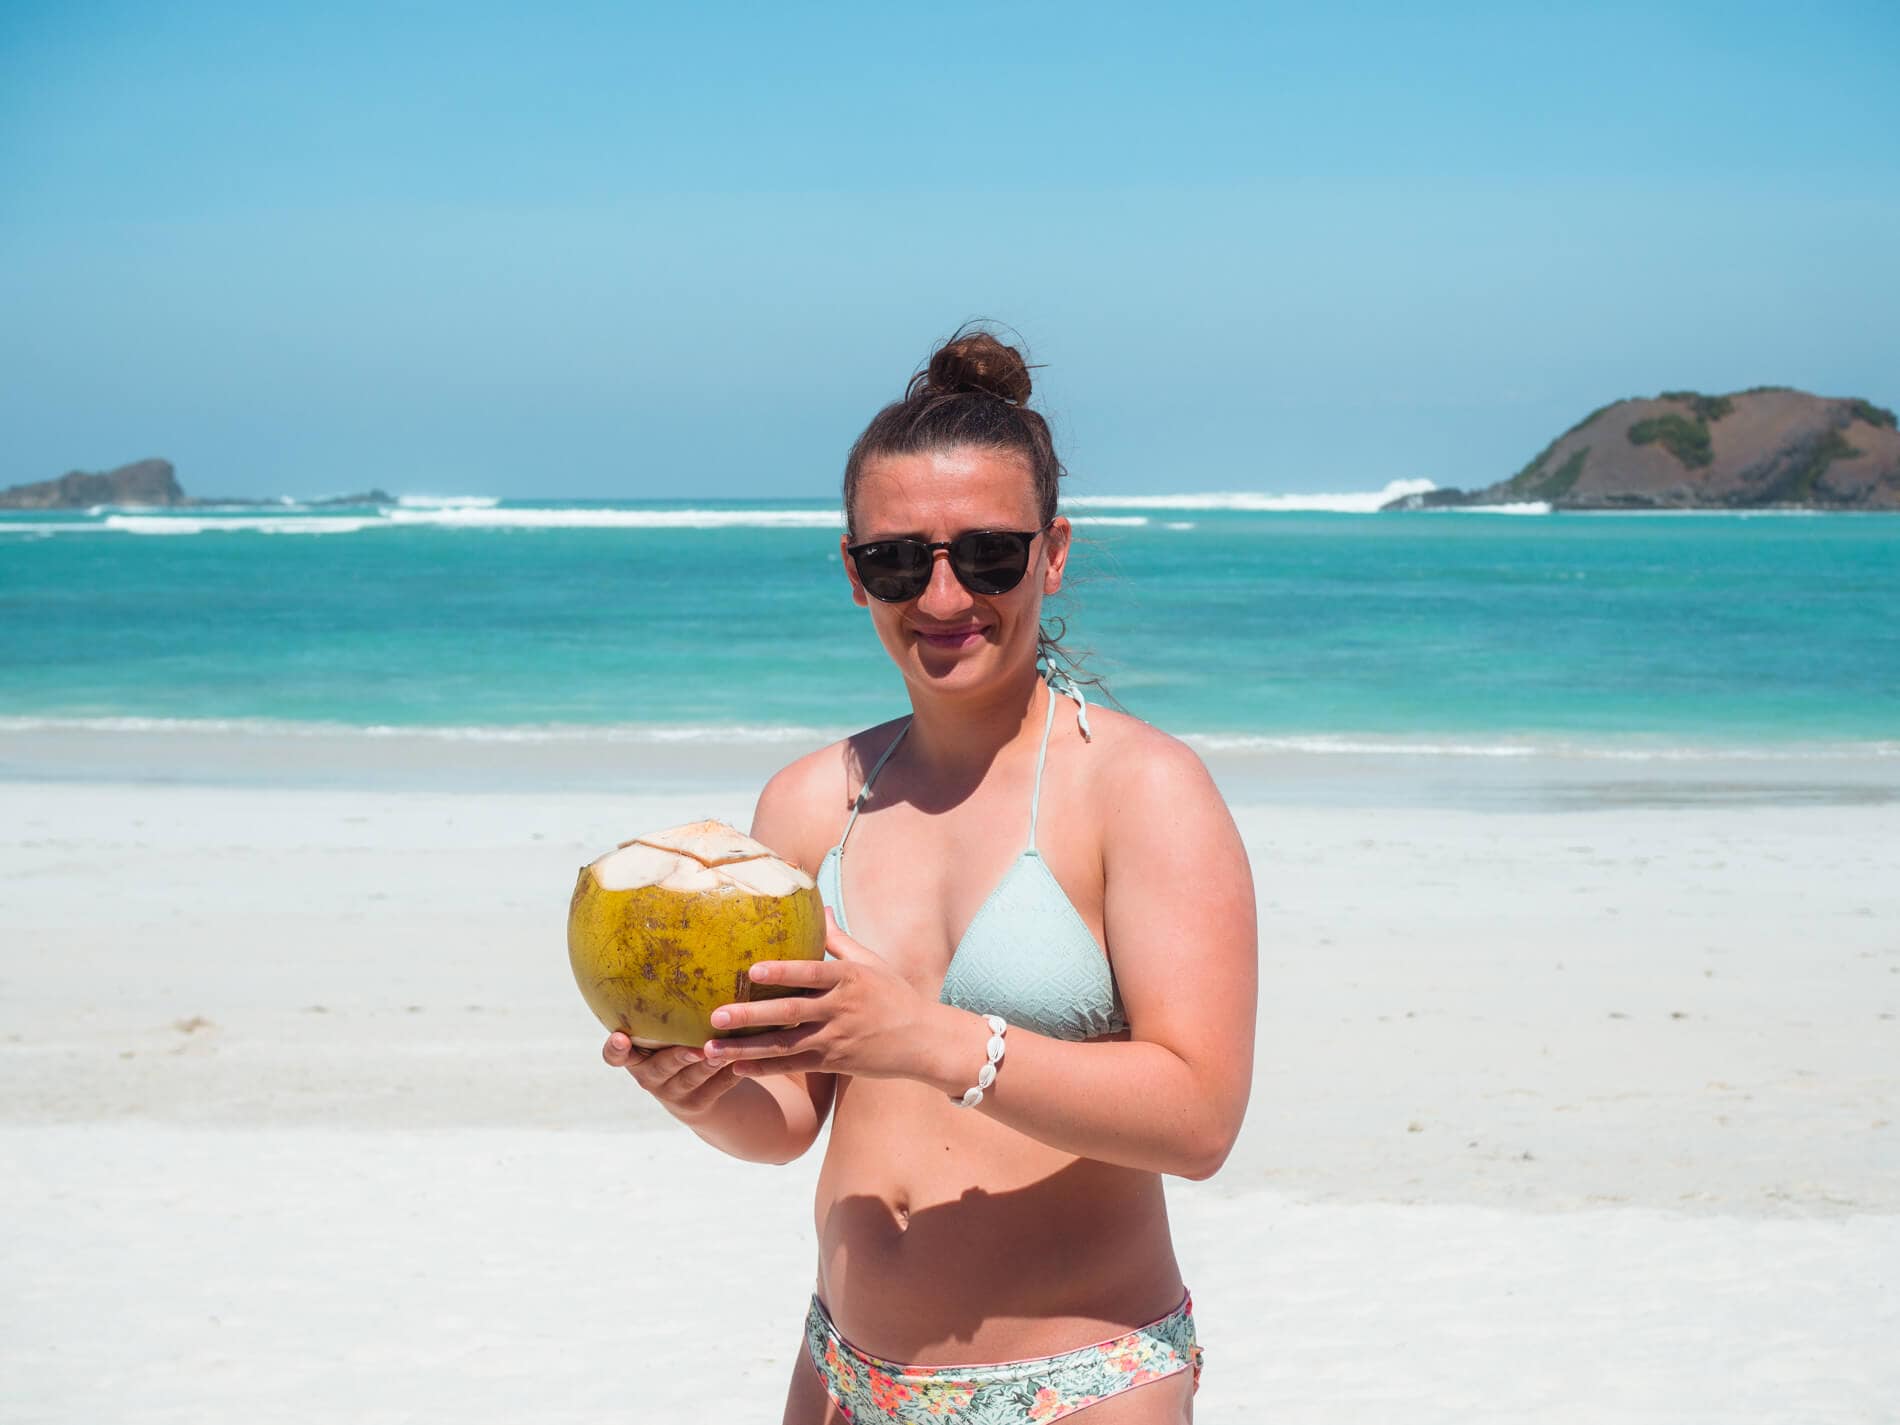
[{"x": 642, "y": 250}]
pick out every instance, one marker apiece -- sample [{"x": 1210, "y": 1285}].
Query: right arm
[{"x": 762, "y": 1120}]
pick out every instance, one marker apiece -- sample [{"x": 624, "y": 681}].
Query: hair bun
[{"x": 976, "y": 362}]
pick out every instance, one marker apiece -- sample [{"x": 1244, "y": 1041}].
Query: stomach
[{"x": 946, "y": 1238}]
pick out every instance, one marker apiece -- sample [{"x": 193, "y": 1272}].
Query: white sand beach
[{"x": 1574, "y": 1106}]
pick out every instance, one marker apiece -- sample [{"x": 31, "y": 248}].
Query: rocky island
[
  {"x": 1770, "y": 447},
  {"x": 144, "y": 484}
]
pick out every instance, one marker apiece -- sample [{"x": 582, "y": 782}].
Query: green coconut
[{"x": 662, "y": 930}]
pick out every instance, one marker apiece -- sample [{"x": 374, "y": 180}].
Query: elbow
[
  {"x": 1205, "y": 1157},
  {"x": 788, "y": 1149},
  {"x": 1208, "y": 1136},
  {"x": 790, "y": 1153}
]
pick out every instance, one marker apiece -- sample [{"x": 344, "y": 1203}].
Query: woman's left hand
[{"x": 857, "y": 1016}]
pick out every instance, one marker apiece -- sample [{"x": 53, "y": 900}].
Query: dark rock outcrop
[
  {"x": 1767, "y": 448},
  {"x": 144, "y": 482}
]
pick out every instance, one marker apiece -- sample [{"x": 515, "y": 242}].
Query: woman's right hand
[{"x": 680, "y": 1078}]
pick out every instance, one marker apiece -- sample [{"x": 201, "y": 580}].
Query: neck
[{"x": 956, "y": 739}]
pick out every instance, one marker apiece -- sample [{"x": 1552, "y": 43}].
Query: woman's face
[{"x": 947, "y": 638}]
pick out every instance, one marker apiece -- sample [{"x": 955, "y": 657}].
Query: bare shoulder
[
  {"x": 803, "y": 806},
  {"x": 1137, "y": 767}
]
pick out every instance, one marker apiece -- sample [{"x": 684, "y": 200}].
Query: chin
[{"x": 980, "y": 663}]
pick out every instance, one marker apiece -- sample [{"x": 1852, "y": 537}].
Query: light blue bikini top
[{"x": 1028, "y": 955}]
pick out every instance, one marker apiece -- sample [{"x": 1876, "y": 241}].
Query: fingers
[
  {"x": 619, "y": 1050},
  {"x": 761, "y": 1046},
  {"x": 810, "y": 1060},
  {"x": 684, "y": 1088},
  {"x": 796, "y": 974},
  {"x": 654, "y": 1069},
  {"x": 681, "y": 1077},
  {"x": 784, "y": 1011}
]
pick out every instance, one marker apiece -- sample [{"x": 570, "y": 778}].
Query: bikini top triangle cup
[{"x": 1027, "y": 955}]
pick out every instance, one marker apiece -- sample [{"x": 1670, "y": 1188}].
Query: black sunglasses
[{"x": 985, "y": 561}]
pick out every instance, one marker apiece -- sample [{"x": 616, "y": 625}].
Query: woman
[{"x": 988, "y": 1195}]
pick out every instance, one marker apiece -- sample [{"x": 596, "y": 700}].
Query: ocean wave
[
  {"x": 1109, "y": 520},
  {"x": 663, "y": 734},
  {"x": 455, "y": 516},
  {"x": 1729, "y": 514},
  {"x": 1572, "y": 748},
  {"x": 447, "y": 502},
  {"x": 1525, "y": 507},
  {"x": 1260, "y": 502},
  {"x": 1609, "y": 749},
  {"x": 238, "y": 524},
  {"x": 548, "y": 518}
]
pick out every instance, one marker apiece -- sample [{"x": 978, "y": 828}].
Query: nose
[{"x": 943, "y": 597}]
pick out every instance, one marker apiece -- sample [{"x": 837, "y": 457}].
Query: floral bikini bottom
[{"x": 871, "y": 1391}]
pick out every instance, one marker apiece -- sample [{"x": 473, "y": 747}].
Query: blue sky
[{"x": 632, "y": 250}]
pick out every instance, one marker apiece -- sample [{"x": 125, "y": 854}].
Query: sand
[{"x": 1577, "y": 1103}]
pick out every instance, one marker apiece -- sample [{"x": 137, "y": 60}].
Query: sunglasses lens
[
  {"x": 984, "y": 561},
  {"x": 895, "y": 570},
  {"x": 990, "y": 562}
]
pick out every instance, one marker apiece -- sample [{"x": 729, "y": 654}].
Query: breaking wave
[
  {"x": 1608, "y": 749},
  {"x": 453, "y": 513},
  {"x": 1255, "y": 501},
  {"x": 447, "y": 502}
]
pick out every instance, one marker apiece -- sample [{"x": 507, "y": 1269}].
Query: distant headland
[
  {"x": 1770, "y": 447},
  {"x": 142, "y": 483}
]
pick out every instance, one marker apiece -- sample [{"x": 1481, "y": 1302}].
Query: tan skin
[{"x": 1034, "y": 1223}]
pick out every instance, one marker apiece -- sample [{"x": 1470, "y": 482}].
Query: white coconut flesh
[{"x": 699, "y": 857}]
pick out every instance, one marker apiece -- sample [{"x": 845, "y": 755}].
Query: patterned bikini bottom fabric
[{"x": 871, "y": 1391}]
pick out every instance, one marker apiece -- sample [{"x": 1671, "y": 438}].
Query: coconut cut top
[{"x": 697, "y": 857}]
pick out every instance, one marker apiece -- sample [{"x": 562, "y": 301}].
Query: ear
[
  {"x": 858, "y": 596},
  {"x": 1055, "y": 554}
]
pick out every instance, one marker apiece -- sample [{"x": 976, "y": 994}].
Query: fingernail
[
  {"x": 759, "y": 972},
  {"x": 721, "y": 1019},
  {"x": 693, "y": 1056},
  {"x": 713, "y": 1051}
]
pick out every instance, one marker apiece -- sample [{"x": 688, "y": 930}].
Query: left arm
[{"x": 1179, "y": 914}]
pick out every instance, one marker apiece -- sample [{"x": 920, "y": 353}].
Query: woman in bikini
[{"x": 1040, "y": 991}]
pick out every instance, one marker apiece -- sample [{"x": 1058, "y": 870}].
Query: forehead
[{"x": 941, "y": 493}]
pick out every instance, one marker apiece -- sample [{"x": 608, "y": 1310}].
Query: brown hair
[{"x": 973, "y": 391}]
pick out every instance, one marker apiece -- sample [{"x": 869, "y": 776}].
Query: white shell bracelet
[{"x": 986, "y": 1075}]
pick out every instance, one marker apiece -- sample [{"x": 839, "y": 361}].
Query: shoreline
[{"x": 1509, "y": 773}]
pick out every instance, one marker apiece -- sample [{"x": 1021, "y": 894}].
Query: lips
[{"x": 950, "y": 638}]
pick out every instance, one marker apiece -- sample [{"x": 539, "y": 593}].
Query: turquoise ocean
[{"x": 1246, "y": 621}]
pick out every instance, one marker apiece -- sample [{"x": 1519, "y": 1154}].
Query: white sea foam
[
  {"x": 1729, "y": 514},
  {"x": 239, "y": 524},
  {"x": 1316, "y": 744},
  {"x": 1109, "y": 520},
  {"x": 447, "y": 502},
  {"x": 1609, "y": 750},
  {"x": 596, "y": 518},
  {"x": 517, "y": 734},
  {"x": 1255, "y": 501},
  {"x": 446, "y": 516}
]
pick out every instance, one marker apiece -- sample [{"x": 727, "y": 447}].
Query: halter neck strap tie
[{"x": 1062, "y": 683}]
